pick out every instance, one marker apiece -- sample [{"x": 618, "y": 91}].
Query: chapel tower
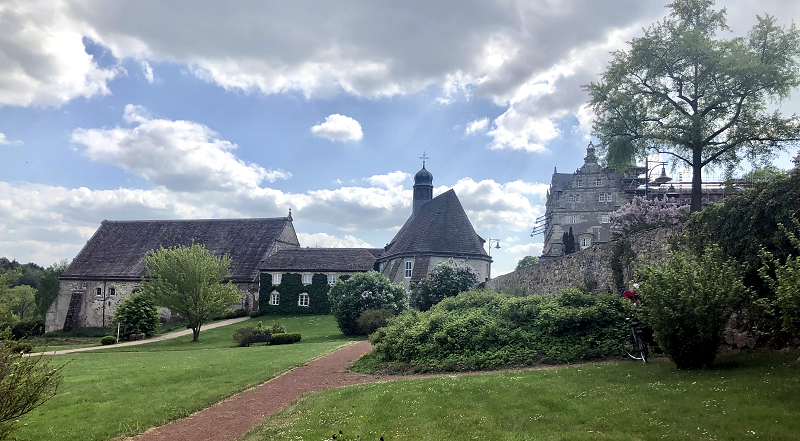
[{"x": 423, "y": 187}]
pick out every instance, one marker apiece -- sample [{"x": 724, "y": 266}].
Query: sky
[{"x": 193, "y": 109}]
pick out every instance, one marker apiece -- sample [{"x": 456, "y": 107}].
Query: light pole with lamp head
[
  {"x": 497, "y": 245},
  {"x": 659, "y": 180}
]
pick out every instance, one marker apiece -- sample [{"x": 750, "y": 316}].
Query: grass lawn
[
  {"x": 744, "y": 397},
  {"x": 124, "y": 391}
]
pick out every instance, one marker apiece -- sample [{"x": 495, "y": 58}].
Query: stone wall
[{"x": 590, "y": 268}]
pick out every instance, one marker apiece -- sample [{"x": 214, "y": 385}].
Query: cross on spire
[{"x": 424, "y": 157}]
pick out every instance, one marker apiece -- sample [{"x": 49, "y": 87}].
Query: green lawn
[
  {"x": 745, "y": 397},
  {"x": 124, "y": 391}
]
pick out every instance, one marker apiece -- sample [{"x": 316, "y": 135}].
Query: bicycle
[{"x": 633, "y": 344}]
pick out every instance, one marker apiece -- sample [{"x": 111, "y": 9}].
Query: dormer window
[
  {"x": 580, "y": 182},
  {"x": 598, "y": 182}
]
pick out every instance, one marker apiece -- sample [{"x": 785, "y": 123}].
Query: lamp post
[
  {"x": 497, "y": 245},
  {"x": 659, "y": 180}
]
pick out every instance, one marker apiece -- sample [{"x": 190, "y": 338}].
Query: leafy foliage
[
  {"x": 680, "y": 90},
  {"x": 641, "y": 214},
  {"x": 687, "y": 301},
  {"x": 370, "y": 320},
  {"x": 108, "y": 340},
  {"x": 526, "y": 262},
  {"x": 372, "y": 290},
  {"x": 139, "y": 314},
  {"x": 25, "y": 384},
  {"x": 785, "y": 284},
  {"x": 446, "y": 279},
  {"x": 29, "y": 273},
  {"x": 245, "y": 336},
  {"x": 285, "y": 338},
  {"x": 483, "y": 329},
  {"x": 47, "y": 291},
  {"x": 188, "y": 281},
  {"x": 289, "y": 289}
]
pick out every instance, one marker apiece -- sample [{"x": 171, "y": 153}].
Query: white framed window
[
  {"x": 83, "y": 285},
  {"x": 307, "y": 279},
  {"x": 570, "y": 198},
  {"x": 586, "y": 242},
  {"x": 577, "y": 198},
  {"x": 276, "y": 279},
  {"x": 609, "y": 197},
  {"x": 98, "y": 291},
  {"x": 409, "y": 268},
  {"x": 604, "y": 219},
  {"x": 580, "y": 182},
  {"x": 601, "y": 197},
  {"x": 302, "y": 300},
  {"x": 570, "y": 219},
  {"x": 331, "y": 279},
  {"x": 598, "y": 182},
  {"x": 275, "y": 298},
  {"x": 112, "y": 291}
]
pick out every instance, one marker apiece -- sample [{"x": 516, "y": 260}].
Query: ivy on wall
[{"x": 290, "y": 288}]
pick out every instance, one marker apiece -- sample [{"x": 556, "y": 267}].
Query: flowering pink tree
[{"x": 641, "y": 214}]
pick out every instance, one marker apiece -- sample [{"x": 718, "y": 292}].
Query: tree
[
  {"x": 48, "y": 286},
  {"x": 526, "y": 262},
  {"x": 139, "y": 314},
  {"x": 25, "y": 384},
  {"x": 682, "y": 92},
  {"x": 447, "y": 279},
  {"x": 7, "y": 302},
  {"x": 188, "y": 280},
  {"x": 641, "y": 214},
  {"x": 361, "y": 292},
  {"x": 568, "y": 239}
]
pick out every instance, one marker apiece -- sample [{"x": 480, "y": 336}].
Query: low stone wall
[{"x": 590, "y": 268}]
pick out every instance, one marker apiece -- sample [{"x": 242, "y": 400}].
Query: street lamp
[
  {"x": 497, "y": 245},
  {"x": 659, "y": 180}
]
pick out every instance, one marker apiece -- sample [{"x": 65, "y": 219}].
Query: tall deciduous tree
[
  {"x": 188, "y": 280},
  {"x": 681, "y": 91}
]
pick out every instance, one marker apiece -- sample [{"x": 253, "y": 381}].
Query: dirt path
[
  {"x": 142, "y": 342},
  {"x": 232, "y": 418}
]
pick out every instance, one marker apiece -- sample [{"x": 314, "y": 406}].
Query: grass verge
[
  {"x": 124, "y": 391},
  {"x": 743, "y": 397}
]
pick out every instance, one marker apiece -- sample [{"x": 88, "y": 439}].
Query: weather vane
[{"x": 424, "y": 157}]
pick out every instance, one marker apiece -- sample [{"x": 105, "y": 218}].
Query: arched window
[{"x": 275, "y": 298}]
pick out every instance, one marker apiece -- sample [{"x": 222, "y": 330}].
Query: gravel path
[{"x": 235, "y": 416}]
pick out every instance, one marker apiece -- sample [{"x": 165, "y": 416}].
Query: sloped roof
[
  {"x": 118, "y": 248},
  {"x": 319, "y": 260},
  {"x": 441, "y": 227},
  {"x": 560, "y": 180}
]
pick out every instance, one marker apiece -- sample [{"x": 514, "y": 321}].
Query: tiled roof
[
  {"x": 320, "y": 260},
  {"x": 560, "y": 180},
  {"x": 118, "y": 248},
  {"x": 440, "y": 227}
]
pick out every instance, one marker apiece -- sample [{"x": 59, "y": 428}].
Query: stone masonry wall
[{"x": 590, "y": 268}]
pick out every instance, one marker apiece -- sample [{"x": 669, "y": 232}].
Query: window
[
  {"x": 331, "y": 279},
  {"x": 601, "y": 197},
  {"x": 608, "y": 197},
  {"x": 276, "y": 279},
  {"x": 307, "y": 279},
  {"x": 586, "y": 242},
  {"x": 580, "y": 182},
  {"x": 98, "y": 291},
  {"x": 604, "y": 219},
  {"x": 112, "y": 291},
  {"x": 83, "y": 285},
  {"x": 570, "y": 198},
  {"x": 570, "y": 219},
  {"x": 302, "y": 300},
  {"x": 409, "y": 267},
  {"x": 274, "y": 298},
  {"x": 577, "y": 198},
  {"x": 598, "y": 182}
]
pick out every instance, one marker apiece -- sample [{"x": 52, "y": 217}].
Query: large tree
[
  {"x": 682, "y": 91},
  {"x": 189, "y": 280}
]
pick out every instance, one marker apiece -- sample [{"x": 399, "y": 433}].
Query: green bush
[
  {"x": 108, "y": 340},
  {"x": 255, "y": 314},
  {"x": 483, "y": 329},
  {"x": 687, "y": 301},
  {"x": 139, "y": 314},
  {"x": 241, "y": 335},
  {"x": 17, "y": 347},
  {"x": 372, "y": 319},
  {"x": 372, "y": 290},
  {"x": 88, "y": 332},
  {"x": 285, "y": 339},
  {"x": 276, "y": 328},
  {"x": 447, "y": 279},
  {"x": 27, "y": 329},
  {"x": 784, "y": 305}
]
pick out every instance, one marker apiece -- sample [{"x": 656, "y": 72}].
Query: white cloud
[
  {"x": 478, "y": 125},
  {"x": 43, "y": 61},
  {"x": 389, "y": 180},
  {"x": 323, "y": 240},
  {"x": 338, "y": 128},
  {"x": 179, "y": 155},
  {"x": 492, "y": 205},
  {"x": 5, "y": 141},
  {"x": 147, "y": 71}
]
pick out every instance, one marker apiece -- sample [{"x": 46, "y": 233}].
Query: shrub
[
  {"x": 108, "y": 340},
  {"x": 687, "y": 301},
  {"x": 372, "y": 319},
  {"x": 785, "y": 284},
  {"x": 27, "y": 329},
  {"x": 483, "y": 329},
  {"x": 285, "y": 339},
  {"x": 247, "y": 335},
  {"x": 447, "y": 279},
  {"x": 241, "y": 335},
  {"x": 255, "y": 314},
  {"x": 139, "y": 314},
  {"x": 372, "y": 290},
  {"x": 276, "y": 328}
]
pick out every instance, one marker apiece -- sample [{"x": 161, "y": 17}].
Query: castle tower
[{"x": 423, "y": 187}]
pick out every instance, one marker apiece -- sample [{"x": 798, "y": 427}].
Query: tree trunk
[
  {"x": 196, "y": 333},
  {"x": 697, "y": 180}
]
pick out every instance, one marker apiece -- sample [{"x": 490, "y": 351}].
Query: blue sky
[{"x": 169, "y": 110}]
